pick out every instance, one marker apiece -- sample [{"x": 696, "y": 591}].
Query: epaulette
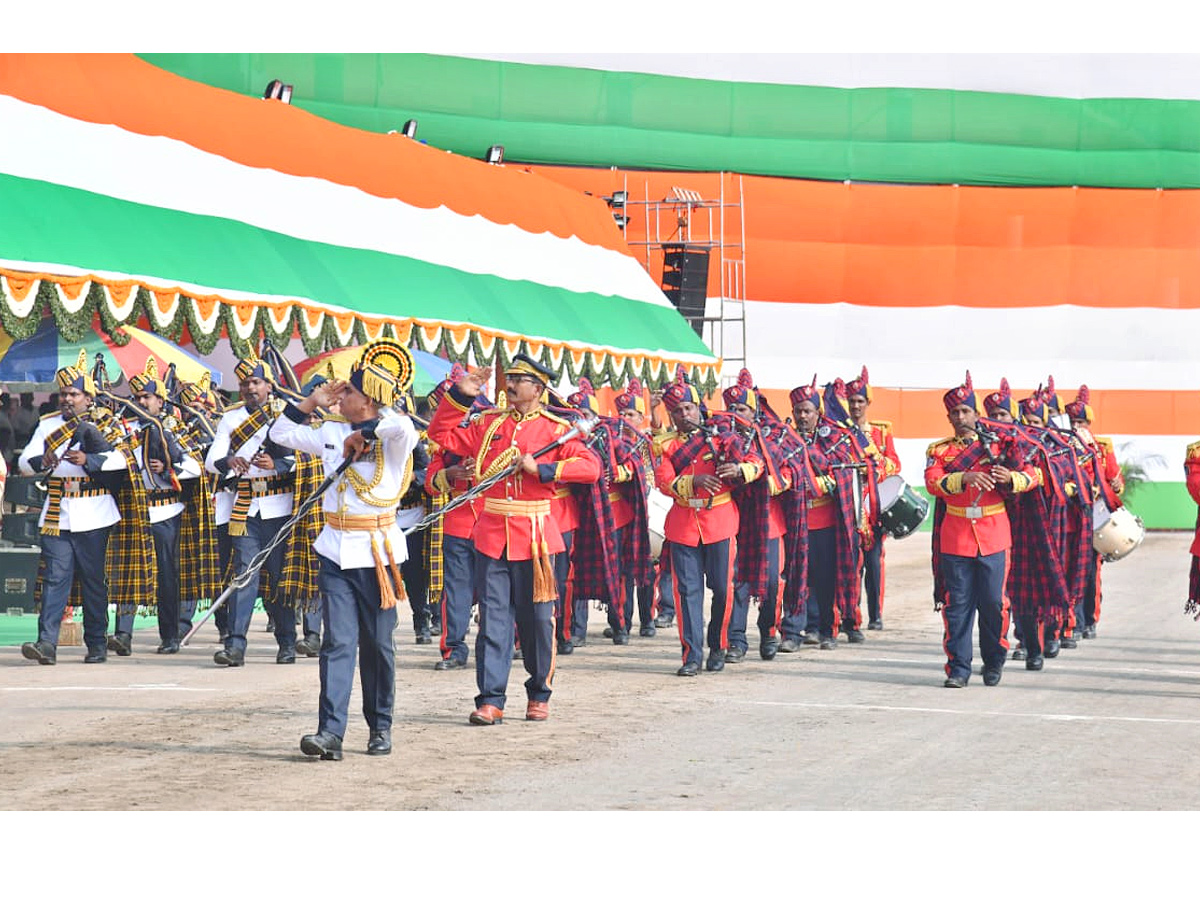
[
  {"x": 1193, "y": 450},
  {"x": 881, "y": 424},
  {"x": 1107, "y": 442},
  {"x": 233, "y": 406},
  {"x": 558, "y": 420},
  {"x": 938, "y": 444},
  {"x": 49, "y": 415}
]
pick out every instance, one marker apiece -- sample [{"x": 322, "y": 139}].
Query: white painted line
[
  {"x": 1049, "y": 717},
  {"x": 1058, "y": 668},
  {"x": 102, "y": 688}
]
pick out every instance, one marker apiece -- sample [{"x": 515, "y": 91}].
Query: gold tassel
[
  {"x": 401, "y": 592},
  {"x": 545, "y": 586},
  {"x": 387, "y": 596}
]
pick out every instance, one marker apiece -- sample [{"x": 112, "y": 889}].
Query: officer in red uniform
[
  {"x": 971, "y": 538},
  {"x": 516, "y": 537},
  {"x": 881, "y": 448},
  {"x": 1112, "y": 485},
  {"x": 448, "y": 476},
  {"x": 1191, "y": 465},
  {"x": 699, "y": 467}
]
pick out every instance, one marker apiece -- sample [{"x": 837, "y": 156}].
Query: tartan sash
[
  {"x": 595, "y": 571},
  {"x": 241, "y": 434},
  {"x": 199, "y": 568},
  {"x": 132, "y": 566},
  {"x": 297, "y": 586},
  {"x": 61, "y": 437}
]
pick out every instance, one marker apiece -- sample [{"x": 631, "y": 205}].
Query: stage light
[
  {"x": 495, "y": 154},
  {"x": 410, "y": 128},
  {"x": 277, "y": 90}
]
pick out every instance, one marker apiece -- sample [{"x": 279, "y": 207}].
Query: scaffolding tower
[{"x": 681, "y": 229}]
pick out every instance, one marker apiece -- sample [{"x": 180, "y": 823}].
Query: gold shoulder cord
[
  {"x": 504, "y": 458},
  {"x": 364, "y": 489}
]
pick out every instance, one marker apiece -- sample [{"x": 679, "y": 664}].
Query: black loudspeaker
[
  {"x": 18, "y": 577},
  {"x": 22, "y": 529},
  {"x": 24, "y": 490},
  {"x": 685, "y": 281}
]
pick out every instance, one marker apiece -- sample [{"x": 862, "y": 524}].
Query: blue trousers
[
  {"x": 354, "y": 622},
  {"x": 258, "y": 534},
  {"x": 564, "y": 603},
  {"x": 458, "y": 586},
  {"x": 415, "y": 572},
  {"x": 666, "y": 587},
  {"x": 691, "y": 567},
  {"x": 165, "y": 535},
  {"x": 620, "y": 611},
  {"x": 872, "y": 577},
  {"x": 506, "y": 599},
  {"x": 768, "y": 609},
  {"x": 69, "y": 554},
  {"x": 974, "y": 585},
  {"x": 816, "y": 615}
]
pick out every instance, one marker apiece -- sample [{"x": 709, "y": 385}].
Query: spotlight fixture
[
  {"x": 617, "y": 201},
  {"x": 410, "y": 128},
  {"x": 495, "y": 154},
  {"x": 277, "y": 90},
  {"x": 621, "y": 220}
]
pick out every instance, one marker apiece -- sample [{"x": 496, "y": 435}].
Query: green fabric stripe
[
  {"x": 50, "y": 222},
  {"x": 553, "y": 114}
]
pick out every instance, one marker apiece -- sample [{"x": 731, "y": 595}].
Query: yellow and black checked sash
[
  {"x": 297, "y": 586},
  {"x": 57, "y": 488},
  {"x": 132, "y": 567},
  {"x": 199, "y": 567},
  {"x": 241, "y": 503},
  {"x": 434, "y": 538}
]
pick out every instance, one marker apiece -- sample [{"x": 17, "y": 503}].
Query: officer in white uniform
[{"x": 78, "y": 513}]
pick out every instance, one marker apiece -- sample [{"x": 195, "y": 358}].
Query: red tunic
[
  {"x": 459, "y": 522},
  {"x": 503, "y": 526},
  {"x": 1192, "y": 465},
  {"x": 698, "y": 516},
  {"x": 976, "y": 522},
  {"x": 882, "y": 446}
]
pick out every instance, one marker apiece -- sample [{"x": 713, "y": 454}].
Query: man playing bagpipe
[
  {"x": 163, "y": 467},
  {"x": 699, "y": 468},
  {"x": 880, "y": 449},
  {"x": 528, "y": 453},
  {"x": 1191, "y": 468},
  {"x": 1108, "y": 479},
  {"x": 613, "y": 538},
  {"x": 360, "y": 547},
  {"x": 254, "y": 501},
  {"x": 762, "y": 525},
  {"x": 631, "y": 407},
  {"x": 971, "y": 538},
  {"x": 75, "y": 449},
  {"x": 451, "y": 553},
  {"x": 660, "y": 434}
]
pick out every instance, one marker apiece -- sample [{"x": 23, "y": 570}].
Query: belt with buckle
[
  {"x": 705, "y": 502},
  {"x": 975, "y": 512}
]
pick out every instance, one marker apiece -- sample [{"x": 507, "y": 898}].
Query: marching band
[{"x": 532, "y": 508}]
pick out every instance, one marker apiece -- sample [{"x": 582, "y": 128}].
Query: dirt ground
[{"x": 1107, "y": 726}]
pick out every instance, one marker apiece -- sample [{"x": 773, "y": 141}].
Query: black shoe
[
  {"x": 424, "y": 637},
  {"x": 286, "y": 656},
  {"x": 169, "y": 647},
  {"x": 120, "y": 643},
  {"x": 716, "y": 661},
  {"x": 735, "y": 654},
  {"x": 1052, "y": 648},
  {"x": 1089, "y": 632},
  {"x": 566, "y": 648},
  {"x": 991, "y": 677},
  {"x": 1069, "y": 643},
  {"x": 326, "y": 746},
  {"x": 608, "y": 632},
  {"x": 309, "y": 645},
  {"x": 1035, "y": 663},
  {"x": 689, "y": 669},
  {"x": 647, "y": 631},
  {"x": 380, "y": 743},
  {"x": 828, "y": 643},
  {"x": 854, "y": 636},
  {"x": 231, "y": 658},
  {"x": 790, "y": 645},
  {"x": 451, "y": 662},
  {"x": 955, "y": 681},
  {"x": 620, "y": 637},
  {"x": 96, "y": 655},
  {"x": 664, "y": 621},
  {"x": 768, "y": 649},
  {"x": 43, "y": 651},
  {"x": 270, "y": 627},
  {"x": 810, "y": 639},
  {"x": 1020, "y": 652},
  {"x": 875, "y": 625},
  {"x": 578, "y": 640}
]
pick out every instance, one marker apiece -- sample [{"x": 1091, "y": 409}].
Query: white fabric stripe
[
  {"x": 1161, "y": 455},
  {"x": 163, "y": 172},
  {"x": 1167, "y": 76},
  {"x": 933, "y": 346}
]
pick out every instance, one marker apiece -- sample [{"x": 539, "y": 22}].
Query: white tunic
[
  {"x": 188, "y": 468},
  {"x": 352, "y": 549},
  {"x": 271, "y": 507},
  {"x": 75, "y": 513}
]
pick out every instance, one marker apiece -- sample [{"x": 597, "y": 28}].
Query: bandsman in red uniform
[
  {"x": 1111, "y": 484},
  {"x": 631, "y": 407},
  {"x": 1191, "y": 466},
  {"x": 881, "y": 449},
  {"x": 516, "y": 537},
  {"x": 971, "y": 538},
  {"x": 698, "y": 468}
]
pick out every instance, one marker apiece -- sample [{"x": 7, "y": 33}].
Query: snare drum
[
  {"x": 901, "y": 509},
  {"x": 1115, "y": 534},
  {"x": 657, "y": 504}
]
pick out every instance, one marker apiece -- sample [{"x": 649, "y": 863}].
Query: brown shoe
[
  {"x": 537, "y": 711},
  {"x": 487, "y": 715}
]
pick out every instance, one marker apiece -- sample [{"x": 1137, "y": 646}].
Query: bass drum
[
  {"x": 657, "y": 504},
  {"x": 1115, "y": 534},
  {"x": 901, "y": 509}
]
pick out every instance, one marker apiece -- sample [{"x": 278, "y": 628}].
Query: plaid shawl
[
  {"x": 804, "y": 461},
  {"x": 298, "y": 578},
  {"x": 636, "y": 562},
  {"x": 435, "y": 535},
  {"x": 595, "y": 570},
  {"x": 199, "y": 567},
  {"x": 132, "y": 568},
  {"x": 1037, "y": 577},
  {"x": 1192, "y": 607},
  {"x": 838, "y": 445}
]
